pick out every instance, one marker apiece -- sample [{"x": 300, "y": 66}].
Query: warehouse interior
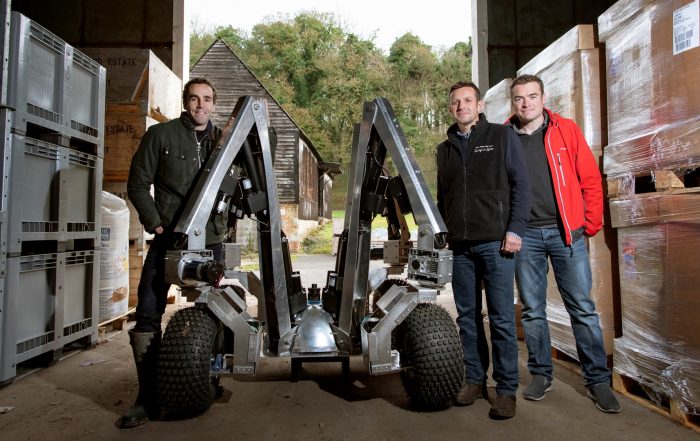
[{"x": 625, "y": 71}]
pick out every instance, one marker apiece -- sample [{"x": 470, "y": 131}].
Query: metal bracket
[
  {"x": 395, "y": 306},
  {"x": 247, "y": 334}
]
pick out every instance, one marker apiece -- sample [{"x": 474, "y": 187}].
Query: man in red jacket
[{"x": 567, "y": 204}]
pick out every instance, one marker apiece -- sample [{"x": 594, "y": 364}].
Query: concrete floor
[{"x": 80, "y": 397}]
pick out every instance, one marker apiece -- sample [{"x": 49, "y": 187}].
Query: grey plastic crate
[
  {"x": 30, "y": 310},
  {"x": 81, "y": 189},
  {"x": 4, "y": 50},
  {"x": 6, "y": 371},
  {"x": 49, "y": 300},
  {"x": 55, "y": 87},
  {"x": 85, "y": 96},
  {"x": 79, "y": 308},
  {"x": 37, "y": 75},
  {"x": 34, "y": 190},
  {"x": 54, "y": 193},
  {"x": 5, "y": 158}
]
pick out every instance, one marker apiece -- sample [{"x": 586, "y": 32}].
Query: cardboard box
[
  {"x": 570, "y": 69},
  {"x": 659, "y": 278},
  {"x": 675, "y": 146},
  {"x": 651, "y": 208},
  {"x": 653, "y": 68}
]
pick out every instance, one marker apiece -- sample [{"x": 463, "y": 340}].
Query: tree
[
  {"x": 201, "y": 37},
  {"x": 455, "y": 65},
  {"x": 322, "y": 74}
]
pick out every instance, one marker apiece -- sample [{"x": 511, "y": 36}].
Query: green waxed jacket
[{"x": 168, "y": 159}]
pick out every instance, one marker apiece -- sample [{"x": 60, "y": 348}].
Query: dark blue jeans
[
  {"x": 153, "y": 290},
  {"x": 572, "y": 271},
  {"x": 477, "y": 262}
]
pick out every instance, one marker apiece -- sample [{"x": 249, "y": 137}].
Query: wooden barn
[{"x": 303, "y": 180}]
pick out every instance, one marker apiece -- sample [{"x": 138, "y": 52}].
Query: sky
[{"x": 438, "y": 23}]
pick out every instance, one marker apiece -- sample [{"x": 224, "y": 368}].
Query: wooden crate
[
  {"x": 141, "y": 91},
  {"x": 139, "y": 77},
  {"x": 137, "y": 254},
  {"x": 123, "y": 133}
]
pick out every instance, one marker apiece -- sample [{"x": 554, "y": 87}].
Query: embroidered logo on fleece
[{"x": 483, "y": 148}]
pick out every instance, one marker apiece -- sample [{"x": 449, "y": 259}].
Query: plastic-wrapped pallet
[
  {"x": 497, "y": 102},
  {"x": 653, "y": 69},
  {"x": 570, "y": 68},
  {"x": 114, "y": 260},
  {"x": 658, "y": 236}
]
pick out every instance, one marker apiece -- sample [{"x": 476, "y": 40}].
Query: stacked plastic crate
[
  {"x": 651, "y": 162},
  {"x": 5, "y": 125},
  {"x": 571, "y": 71},
  {"x": 53, "y": 123}
]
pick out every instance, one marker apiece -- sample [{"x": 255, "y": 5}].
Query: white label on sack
[{"x": 685, "y": 28}]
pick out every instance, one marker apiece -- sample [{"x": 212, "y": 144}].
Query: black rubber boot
[{"x": 145, "y": 346}]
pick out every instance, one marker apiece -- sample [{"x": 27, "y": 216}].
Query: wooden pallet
[
  {"x": 564, "y": 360},
  {"x": 115, "y": 324},
  {"x": 655, "y": 181},
  {"x": 667, "y": 406}
]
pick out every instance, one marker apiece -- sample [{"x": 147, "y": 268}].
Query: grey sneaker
[
  {"x": 469, "y": 394},
  {"x": 538, "y": 386},
  {"x": 604, "y": 398}
]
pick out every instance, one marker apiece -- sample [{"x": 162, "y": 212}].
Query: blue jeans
[
  {"x": 572, "y": 271},
  {"x": 477, "y": 262}
]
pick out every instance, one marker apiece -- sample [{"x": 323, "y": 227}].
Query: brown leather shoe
[
  {"x": 503, "y": 407},
  {"x": 469, "y": 394}
]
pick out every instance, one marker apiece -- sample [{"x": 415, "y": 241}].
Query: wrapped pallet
[
  {"x": 497, "y": 102},
  {"x": 653, "y": 68},
  {"x": 659, "y": 235},
  {"x": 570, "y": 69}
]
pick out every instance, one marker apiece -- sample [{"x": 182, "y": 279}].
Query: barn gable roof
[{"x": 225, "y": 57}]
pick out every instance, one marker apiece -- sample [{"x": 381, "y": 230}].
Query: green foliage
[
  {"x": 322, "y": 74},
  {"x": 319, "y": 241}
]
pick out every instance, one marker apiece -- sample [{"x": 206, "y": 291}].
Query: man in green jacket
[{"x": 169, "y": 157}]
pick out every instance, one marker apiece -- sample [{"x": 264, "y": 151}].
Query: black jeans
[{"x": 153, "y": 290}]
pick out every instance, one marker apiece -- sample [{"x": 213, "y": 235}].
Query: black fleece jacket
[{"x": 486, "y": 194}]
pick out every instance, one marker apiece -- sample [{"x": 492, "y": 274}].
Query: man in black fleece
[{"x": 484, "y": 196}]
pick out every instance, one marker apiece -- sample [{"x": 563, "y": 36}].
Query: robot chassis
[{"x": 401, "y": 330}]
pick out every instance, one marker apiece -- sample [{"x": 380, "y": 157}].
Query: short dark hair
[
  {"x": 524, "y": 79},
  {"x": 461, "y": 84},
  {"x": 196, "y": 80}
]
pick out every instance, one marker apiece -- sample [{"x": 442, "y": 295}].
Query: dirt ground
[{"x": 81, "y": 396}]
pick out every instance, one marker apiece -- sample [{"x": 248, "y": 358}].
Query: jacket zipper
[
  {"x": 464, "y": 211},
  {"x": 559, "y": 171},
  {"x": 199, "y": 147}
]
